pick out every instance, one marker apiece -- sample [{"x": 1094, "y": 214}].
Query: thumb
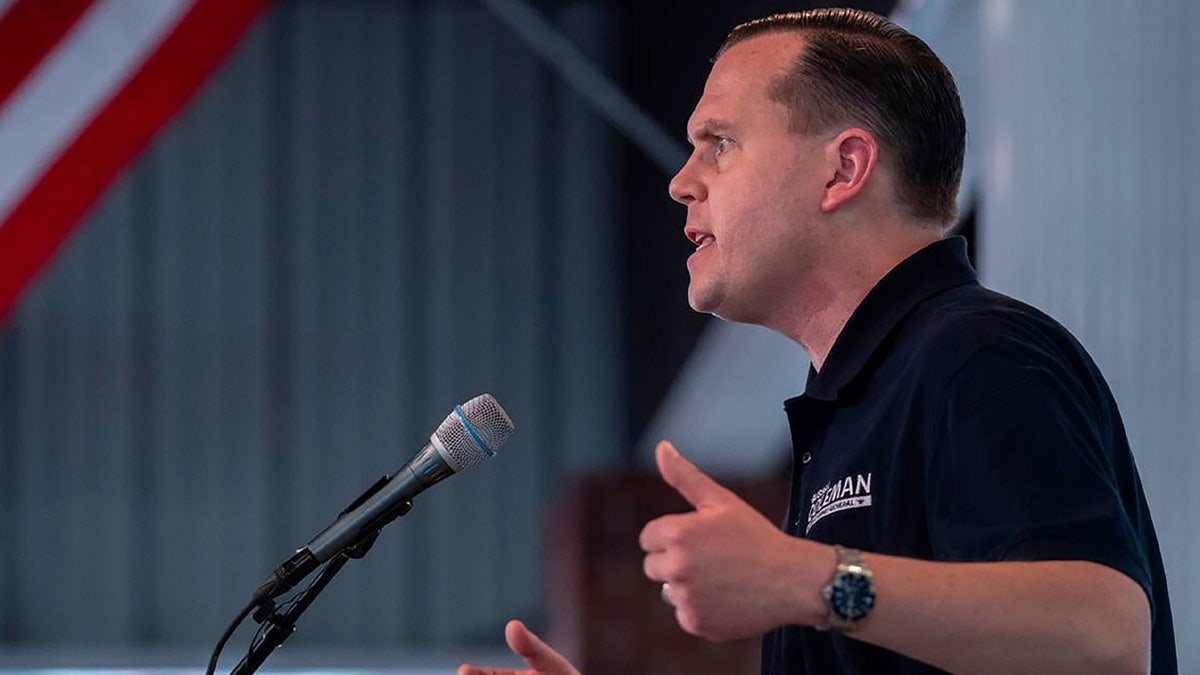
[
  {"x": 536, "y": 653},
  {"x": 695, "y": 486}
]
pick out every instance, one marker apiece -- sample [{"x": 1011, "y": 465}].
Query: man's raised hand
[{"x": 732, "y": 574}]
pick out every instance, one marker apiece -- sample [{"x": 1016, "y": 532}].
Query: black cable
[
  {"x": 237, "y": 621},
  {"x": 261, "y": 595}
]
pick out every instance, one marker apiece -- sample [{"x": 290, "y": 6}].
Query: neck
[{"x": 818, "y": 316}]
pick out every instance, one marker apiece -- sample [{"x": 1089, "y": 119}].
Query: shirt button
[{"x": 806, "y": 458}]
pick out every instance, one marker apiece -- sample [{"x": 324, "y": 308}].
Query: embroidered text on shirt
[{"x": 852, "y": 492}]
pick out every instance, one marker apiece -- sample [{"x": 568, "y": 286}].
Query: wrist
[{"x": 816, "y": 563}]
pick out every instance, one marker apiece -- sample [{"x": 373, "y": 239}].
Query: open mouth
[{"x": 700, "y": 239}]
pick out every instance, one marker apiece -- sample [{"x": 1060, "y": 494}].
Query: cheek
[{"x": 758, "y": 207}]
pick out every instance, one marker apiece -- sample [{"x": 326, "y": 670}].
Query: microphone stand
[{"x": 280, "y": 626}]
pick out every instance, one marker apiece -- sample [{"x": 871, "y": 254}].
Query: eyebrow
[{"x": 710, "y": 128}]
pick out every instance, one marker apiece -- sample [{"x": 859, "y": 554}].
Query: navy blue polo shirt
[{"x": 950, "y": 422}]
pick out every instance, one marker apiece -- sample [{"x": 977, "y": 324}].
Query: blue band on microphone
[{"x": 471, "y": 430}]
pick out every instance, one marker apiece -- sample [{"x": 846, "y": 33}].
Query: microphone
[{"x": 470, "y": 434}]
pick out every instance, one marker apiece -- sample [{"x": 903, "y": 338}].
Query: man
[{"x": 964, "y": 499}]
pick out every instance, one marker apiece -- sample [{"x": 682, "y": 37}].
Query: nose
[{"x": 686, "y": 187}]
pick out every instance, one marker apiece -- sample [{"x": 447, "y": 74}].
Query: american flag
[{"x": 84, "y": 86}]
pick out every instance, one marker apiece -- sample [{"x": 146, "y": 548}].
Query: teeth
[{"x": 703, "y": 240}]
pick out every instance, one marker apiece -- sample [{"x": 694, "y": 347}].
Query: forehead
[{"x": 740, "y": 80}]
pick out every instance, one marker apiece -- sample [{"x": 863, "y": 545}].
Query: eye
[{"x": 723, "y": 145}]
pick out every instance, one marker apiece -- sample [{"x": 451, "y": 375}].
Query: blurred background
[{"x": 340, "y": 218}]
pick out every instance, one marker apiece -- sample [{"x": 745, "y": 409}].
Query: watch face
[{"x": 851, "y": 596}]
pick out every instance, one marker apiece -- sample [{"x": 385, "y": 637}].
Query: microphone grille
[{"x": 473, "y": 432}]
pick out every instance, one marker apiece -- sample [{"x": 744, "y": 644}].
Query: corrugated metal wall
[
  {"x": 1090, "y": 209},
  {"x": 376, "y": 210}
]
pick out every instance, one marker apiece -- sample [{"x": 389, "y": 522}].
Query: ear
[{"x": 852, "y": 154}]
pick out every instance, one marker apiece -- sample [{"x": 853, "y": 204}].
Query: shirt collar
[{"x": 937, "y": 267}]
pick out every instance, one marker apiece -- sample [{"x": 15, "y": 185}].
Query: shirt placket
[{"x": 808, "y": 419}]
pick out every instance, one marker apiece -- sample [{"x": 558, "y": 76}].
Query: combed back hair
[{"x": 859, "y": 69}]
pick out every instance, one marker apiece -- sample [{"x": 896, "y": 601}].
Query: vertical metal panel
[
  {"x": 374, "y": 211},
  {"x": 589, "y": 307},
  {"x": 9, "y": 570},
  {"x": 524, "y": 335},
  {"x": 386, "y": 573},
  {"x": 72, "y": 467},
  {"x": 1090, "y": 213}
]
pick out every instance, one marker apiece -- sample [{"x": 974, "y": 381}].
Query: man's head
[
  {"x": 812, "y": 126},
  {"x": 858, "y": 68}
]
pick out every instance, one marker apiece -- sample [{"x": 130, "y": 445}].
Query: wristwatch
[{"x": 849, "y": 593}]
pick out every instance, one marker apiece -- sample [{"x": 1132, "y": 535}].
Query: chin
[
  {"x": 703, "y": 302},
  {"x": 722, "y": 308}
]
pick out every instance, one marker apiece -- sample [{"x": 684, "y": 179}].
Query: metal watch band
[
  {"x": 848, "y": 557},
  {"x": 849, "y": 562}
]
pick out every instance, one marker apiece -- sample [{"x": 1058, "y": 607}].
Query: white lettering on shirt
[{"x": 851, "y": 492}]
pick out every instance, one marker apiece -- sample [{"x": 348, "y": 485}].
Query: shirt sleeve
[{"x": 1024, "y": 465}]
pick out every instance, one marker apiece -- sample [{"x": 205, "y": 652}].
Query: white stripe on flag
[{"x": 73, "y": 83}]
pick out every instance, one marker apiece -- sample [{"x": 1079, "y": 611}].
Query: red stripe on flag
[
  {"x": 28, "y": 31},
  {"x": 72, "y": 184}
]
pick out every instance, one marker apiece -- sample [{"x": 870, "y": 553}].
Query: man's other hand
[{"x": 541, "y": 658}]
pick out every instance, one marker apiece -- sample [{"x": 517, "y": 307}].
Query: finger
[
  {"x": 664, "y": 531},
  {"x": 657, "y": 567},
  {"x": 536, "y": 653},
  {"x": 468, "y": 669},
  {"x": 695, "y": 486},
  {"x": 686, "y": 619}
]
